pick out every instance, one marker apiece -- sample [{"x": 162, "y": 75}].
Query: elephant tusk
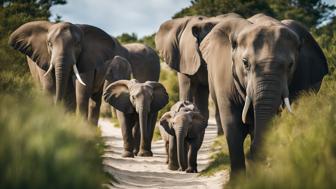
[
  {"x": 288, "y": 104},
  {"x": 246, "y": 108},
  {"x": 49, "y": 70},
  {"x": 77, "y": 75}
]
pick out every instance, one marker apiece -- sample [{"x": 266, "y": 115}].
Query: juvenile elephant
[
  {"x": 182, "y": 129},
  {"x": 137, "y": 106},
  {"x": 180, "y": 50},
  {"x": 263, "y": 62},
  {"x": 70, "y": 59},
  {"x": 145, "y": 65}
]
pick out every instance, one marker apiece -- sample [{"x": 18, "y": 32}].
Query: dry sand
[{"x": 152, "y": 172}]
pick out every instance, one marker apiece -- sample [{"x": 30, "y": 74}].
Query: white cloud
[{"x": 118, "y": 16}]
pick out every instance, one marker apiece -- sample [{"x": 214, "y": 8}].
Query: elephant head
[
  {"x": 118, "y": 69},
  {"x": 184, "y": 120},
  {"x": 130, "y": 96},
  {"x": 63, "y": 48},
  {"x": 177, "y": 46},
  {"x": 265, "y": 59}
]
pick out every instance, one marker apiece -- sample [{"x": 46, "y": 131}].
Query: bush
[
  {"x": 41, "y": 146},
  {"x": 301, "y": 148}
]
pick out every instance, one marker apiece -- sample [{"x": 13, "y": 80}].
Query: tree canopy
[{"x": 310, "y": 12}]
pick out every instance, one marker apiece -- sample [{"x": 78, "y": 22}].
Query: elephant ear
[
  {"x": 199, "y": 124},
  {"x": 191, "y": 60},
  {"x": 311, "y": 64},
  {"x": 167, "y": 41},
  {"x": 31, "y": 40},
  {"x": 165, "y": 123},
  {"x": 117, "y": 95},
  {"x": 216, "y": 48},
  {"x": 97, "y": 48},
  {"x": 160, "y": 96}
]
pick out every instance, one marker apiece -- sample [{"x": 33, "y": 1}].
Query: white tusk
[
  {"x": 246, "y": 108},
  {"x": 288, "y": 104},
  {"x": 49, "y": 70},
  {"x": 77, "y": 75}
]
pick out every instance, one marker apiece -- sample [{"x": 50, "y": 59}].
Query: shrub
[{"x": 41, "y": 146}]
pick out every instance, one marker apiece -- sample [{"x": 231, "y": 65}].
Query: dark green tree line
[{"x": 310, "y": 12}]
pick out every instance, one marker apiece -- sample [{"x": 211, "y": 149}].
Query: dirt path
[{"x": 152, "y": 172}]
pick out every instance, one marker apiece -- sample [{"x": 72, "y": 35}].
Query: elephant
[
  {"x": 137, "y": 107},
  {"x": 182, "y": 129},
  {"x": 145, "y": 65},
  {"x": 260, "y": 62},
  {"x": 71, "y": 61},
  {"x": 180, "y": 50}
]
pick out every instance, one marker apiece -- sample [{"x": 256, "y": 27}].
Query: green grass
[
  {"x": 300, "y": 148},
  {"x": 42, "y": 146}
]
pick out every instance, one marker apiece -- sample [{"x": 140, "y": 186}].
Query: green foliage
[
  {"x": 36, "y": 151},
  {"x": 125, "y": 38},
  {"x": 310, "y": 12},
  {"x": 301, "y": 148},
  {"x": 216, "y": 7}
]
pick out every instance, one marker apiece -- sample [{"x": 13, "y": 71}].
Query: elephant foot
[
  {"x": 220, "y": 133},
  {"x": 173, "y": 167},
  {"x": 191, "y": 170},
  {"x": 136, "y": 152},
  {"x": 145, "y": 153},
  {"x": 181, "y": 169},
  {"x": 127, "y": 154}
]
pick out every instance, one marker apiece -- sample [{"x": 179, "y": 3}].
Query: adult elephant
[
  {"x": 180, "y": 50},
  {"x": 70, "y": 61},
  {"x": 260, "y": 63}
]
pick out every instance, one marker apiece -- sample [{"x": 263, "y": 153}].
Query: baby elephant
[
  {"x": 137, "y": 106},
  {"x": 182, "y": 129}
]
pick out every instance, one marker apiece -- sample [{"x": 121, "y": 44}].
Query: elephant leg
[
  {"x": 94, "y": 107},
  {"x": 192, "y": 156},
  {"x": 126, "y": 123},
  {"x": 136, "y": 137},
  {"x": 201, "y": 99},
  {"x": 172, "y": 154},
  {"x": 218, "y": 122},
  {"x": 184, "y": 87},
  {"x": 167, "y": 150},
  {"x": 235, "y": 136},
  {"x": 152, "y": 122},
  {"x": 83, "y": 94}
]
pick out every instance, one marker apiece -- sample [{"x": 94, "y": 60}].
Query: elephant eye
[
  {"x": 246, "y": 63},
  {"x": 49, "y": 44}
]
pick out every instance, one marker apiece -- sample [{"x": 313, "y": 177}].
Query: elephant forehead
[
  {"x": 137, "y": 89},
  {"x": 182, "y": 116}
]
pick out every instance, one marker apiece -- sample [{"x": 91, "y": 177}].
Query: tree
[
  {"x": 310, "y": 12},
  {"x": 245, "y": 8},
  {"x": 14, "y": 13}
]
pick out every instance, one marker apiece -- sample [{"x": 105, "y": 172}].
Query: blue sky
[{"x": 142, "y": 17}]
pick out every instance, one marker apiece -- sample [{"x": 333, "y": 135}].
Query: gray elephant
[
  {"x": 180, "y": 50},
  {"x": 263, "y": 62},
  {"x": 182, "y": 129},
  {"x": 70, "y": 60},
  {"x": 145, "y": 64},
  {"x": 137, "y": 106}
]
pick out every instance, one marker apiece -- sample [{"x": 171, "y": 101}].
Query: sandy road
[{"x": 152, "y": 172}]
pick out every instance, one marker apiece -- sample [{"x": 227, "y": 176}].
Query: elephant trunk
[
  {"x": 62, "y": 72},
  {"x": 266, "y": 101},
  {"x": 144, "y": 140},
  {"x": 180, "y": 139}
]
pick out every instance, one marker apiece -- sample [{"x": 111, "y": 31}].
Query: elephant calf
[
  {"x": 137, "y": 106},
  {"x": 182, "y": 129}
]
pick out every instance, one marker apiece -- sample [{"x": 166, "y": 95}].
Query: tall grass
[{"x": 42, "y": 146}]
